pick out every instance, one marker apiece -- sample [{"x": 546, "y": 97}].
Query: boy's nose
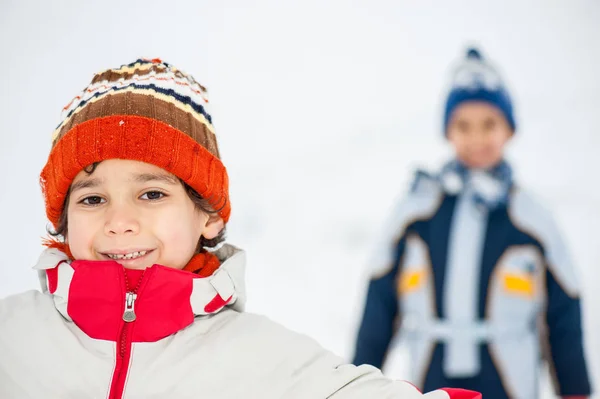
[{"x": 122, "y": 220}]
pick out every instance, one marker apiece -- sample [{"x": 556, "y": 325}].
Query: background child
[
  {"x": 470, "y": 263},
  {"x": 141, "y": 297}
]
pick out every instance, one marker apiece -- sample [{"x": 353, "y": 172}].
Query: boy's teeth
[{"x": 131, "y": 255}]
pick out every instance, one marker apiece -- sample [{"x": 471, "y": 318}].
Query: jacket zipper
[{"x": 123, "y": 354}]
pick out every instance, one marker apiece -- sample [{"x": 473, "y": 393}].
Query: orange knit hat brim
[{"x": 135, "y": 138}]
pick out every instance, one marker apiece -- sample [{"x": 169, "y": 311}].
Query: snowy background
[{"x": 323, "y": 109}]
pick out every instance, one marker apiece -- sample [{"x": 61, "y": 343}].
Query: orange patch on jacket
[
  {"x": 518, "y": 284},
  {"x": 411, "y": 280}
]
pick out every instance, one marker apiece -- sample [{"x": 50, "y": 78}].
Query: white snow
[{"x": 323, "y": 109}]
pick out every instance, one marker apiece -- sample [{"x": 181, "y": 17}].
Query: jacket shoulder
[
  {"x": 532, "y": 217},
  {"x": 24, "y": 306},
  {"x": 26, "y": 315},
  {"x": 527, "y": 208}
]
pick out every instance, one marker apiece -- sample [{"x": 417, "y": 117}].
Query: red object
[
  {"x": 456, "y": 393},
  {"x": 124, "y": 348},
  {"x": 216, "y": 303},
  {"x": 52, "y": 275},
  {"x": 203, "y": 264},
  {"x": 162, "y": 306}
]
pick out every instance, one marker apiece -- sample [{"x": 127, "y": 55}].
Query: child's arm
[
  {"x": 289, "y": 365},
  {"x": 565, "y": 341},
  {"x": 372, "y": 384},
  {"x": 380, "y": 317},
  {"x": 324, "y": 376},
  {"x": 564, "y": 347}
]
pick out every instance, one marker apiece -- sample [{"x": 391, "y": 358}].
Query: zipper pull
[{"x": 129, "y": 314}]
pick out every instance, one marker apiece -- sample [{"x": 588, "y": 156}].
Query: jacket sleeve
[
  {"x": 565, "y": 341},
  {"x": 380, "y": 315},
  {"x": 294, "y": 366},
  {"x": 370, "y": 383},
  {"x": 321, "y": 374},
  {"x": 359, "y": 382},
  {"x": 564, "y": 338}
]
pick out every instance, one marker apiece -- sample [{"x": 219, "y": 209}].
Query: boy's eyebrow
[
  {"x": 140, "y": 178},
  {"x": 87, "y": 183},
  {"x": 147, "y": 177}
]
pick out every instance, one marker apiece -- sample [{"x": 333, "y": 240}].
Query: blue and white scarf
[{"x": 491, "y": 187}]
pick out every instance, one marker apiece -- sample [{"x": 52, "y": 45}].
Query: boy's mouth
[
  {"x": 126, "y": 255},
  {"x": 131, "y": 255}
]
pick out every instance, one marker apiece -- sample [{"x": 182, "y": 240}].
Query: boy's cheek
[
  {"x": 80, "y": 240},
  {"x": 78, "y": 249}
]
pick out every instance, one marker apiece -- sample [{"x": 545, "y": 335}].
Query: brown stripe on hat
[{"x": 131, "y": 103}]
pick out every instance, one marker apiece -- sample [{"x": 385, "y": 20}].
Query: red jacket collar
[
  {"x": 92, "y": 294},
  {"x": 97, "y": 301}
]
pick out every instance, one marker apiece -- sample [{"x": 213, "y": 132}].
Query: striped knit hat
[{"x": 145, "y": 111}]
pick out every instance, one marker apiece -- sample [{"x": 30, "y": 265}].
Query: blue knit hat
[{"x": 476, "y": 80}]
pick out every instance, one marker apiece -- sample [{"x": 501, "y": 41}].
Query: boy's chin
[{"x": 474, "y": 163}]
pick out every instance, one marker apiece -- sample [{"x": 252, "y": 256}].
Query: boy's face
[
  {"x": 478, "y": 132},
  {"x": 128, "y": 209}
]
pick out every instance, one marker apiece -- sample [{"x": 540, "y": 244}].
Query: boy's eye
[
  {"x": 462, "y": 126},
  {"x": 153, "y": 195},
  {"x": 92, "y": 200},
  {"x": 489, "y": 124}
]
